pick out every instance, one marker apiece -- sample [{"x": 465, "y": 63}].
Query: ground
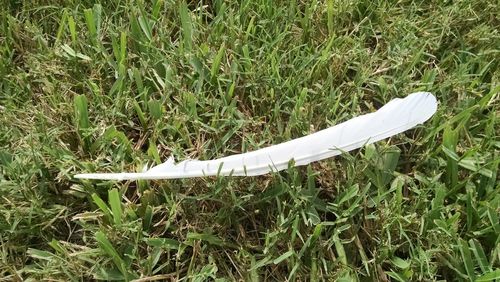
[{"x": 116, "y": 86}]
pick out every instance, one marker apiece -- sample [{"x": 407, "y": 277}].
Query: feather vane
[{"x": 394, "y": 117}]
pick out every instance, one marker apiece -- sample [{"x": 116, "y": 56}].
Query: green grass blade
[
  {"x": 467, "y": 259},
  {"x": 283, "y": 257},
  {"x": 102, "y": 206},
  {"x": 329, "y": 12},
  {"x": 490, "y": 276},
  {"x": 108, "y": 248},
  {"x": 90, "y": 20},
  {"x": 72, "y": 29},
  {"x": 478, "y": 252},
  {"x": 81, "y": 111},
  {"x": 217, "y": 61},
  {"x": 82, "y": 119},
  {"x": 186, "y": 26},
  {"x": 116, "y": 205}
]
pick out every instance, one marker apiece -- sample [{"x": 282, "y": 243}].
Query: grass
[{"x": 115, "y": 86}]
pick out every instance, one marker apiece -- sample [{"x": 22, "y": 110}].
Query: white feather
[{"x": 395, "y": 117}]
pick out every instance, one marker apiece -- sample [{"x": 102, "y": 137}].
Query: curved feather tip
[{"x": 394, "y": 117}]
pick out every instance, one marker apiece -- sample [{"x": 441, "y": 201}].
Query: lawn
[{"x": 116, "y": 86}]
